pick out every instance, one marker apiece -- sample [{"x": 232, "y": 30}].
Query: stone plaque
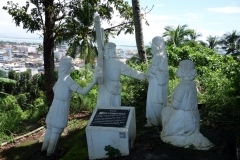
[{"x": 110, "y": 118}]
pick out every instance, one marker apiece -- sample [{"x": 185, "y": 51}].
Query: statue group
[{"x": 180, "y": 120}]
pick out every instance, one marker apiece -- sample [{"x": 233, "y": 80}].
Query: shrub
[
  {"x": 23, "y": 101},
  {"x": 10, "y": 115}
]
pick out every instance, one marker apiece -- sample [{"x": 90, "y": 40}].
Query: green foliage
[
  {"x": 178, "y": 36},
  {"x": 213, "y": 41},
  {"x": 38, "y": 110},
  {"x": 3, "y": 73},
  {"x": 10, "y": 115},
  {"x": 230, "y": 42},
  {"x": 134, "y": 92},
  {"x": 25, "y": 86},
  {"x": 7, "y": 81},
  {"x": 75, "y": 143},
  {"x": 26, "y": 102},
  {"x": 41, "y": 82},
  {"x": 4, "y": 82},
  {"x": 23, "y": 101},
  {"x": 83, "y": 102},
  {"x": 31, "y": 21},
  {"x": 24, "y": 81},
  {"x": 112, "y": 152}
]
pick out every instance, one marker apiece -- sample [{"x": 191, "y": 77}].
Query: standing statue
[
  {"x": 109, "y": 92},
  {"x": 181, "y": 120},
  {"x": 57, "y": 117},
  {"x": 157, "y": 96}
]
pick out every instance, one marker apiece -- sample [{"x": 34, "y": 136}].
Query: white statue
[
  {"x": 157, "y": 96},
  {"x": 57, "y": 117},
  {"x": 181, "y": 120},
  {"x": 109, "y": 92}
]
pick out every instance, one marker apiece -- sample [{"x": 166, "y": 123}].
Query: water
[
  {"x": 39, "y": 40},
  {"x": 21, "y": 40},
  {"x": 125, "y": 47}
]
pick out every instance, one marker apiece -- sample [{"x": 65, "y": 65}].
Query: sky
[{"x": 207, "y": 17}]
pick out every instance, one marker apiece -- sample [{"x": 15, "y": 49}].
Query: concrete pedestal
[{"x": 120, "y": 138}]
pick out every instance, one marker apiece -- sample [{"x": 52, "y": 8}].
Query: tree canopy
[
  {"x": 177, "y": 36},
  {"x": 230, "y": 42}
]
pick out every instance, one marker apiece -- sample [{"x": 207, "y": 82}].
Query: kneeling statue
[{"x": 181, "y": 119}]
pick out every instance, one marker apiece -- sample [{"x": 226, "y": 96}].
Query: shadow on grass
[{"x": 72, "y": 146}]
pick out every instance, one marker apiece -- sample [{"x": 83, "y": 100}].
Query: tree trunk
[
  {"x": 48, "y": 45},
  {"x": 138, "y": 31}
]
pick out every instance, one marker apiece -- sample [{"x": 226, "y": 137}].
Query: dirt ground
[{"x": 148, "y": 146}]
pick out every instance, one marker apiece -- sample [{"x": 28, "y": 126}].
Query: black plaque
[{"x": 111, "y": 118}]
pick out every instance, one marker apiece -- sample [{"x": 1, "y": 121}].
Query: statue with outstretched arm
[
  {"x": 109, "y": 92},
  {"x": 57, "y": 117}
]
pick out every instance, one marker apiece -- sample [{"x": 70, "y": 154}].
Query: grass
[
  {"x": 77, "y": 145},
  {"x": 73, "y": 140}
]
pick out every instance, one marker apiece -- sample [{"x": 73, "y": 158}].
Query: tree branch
[
  {"x": 37, "y": 5},
  {"x": 112, "y": 28}
]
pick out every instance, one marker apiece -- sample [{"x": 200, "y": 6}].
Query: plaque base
[{"x": 121, "y": 138}]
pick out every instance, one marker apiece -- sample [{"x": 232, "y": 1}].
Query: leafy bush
[
  {"x": 36, "y": 110},
  {"x": 6, "y": 82},
  {"x": 26, "y": 102},
  {"x": 10, "y": 115},
  {"x": 23, "y": 101}
]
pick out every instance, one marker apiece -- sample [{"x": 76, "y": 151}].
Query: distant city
[{"x": 20, "y": 54}]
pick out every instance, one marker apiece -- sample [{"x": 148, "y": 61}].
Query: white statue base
[{"x": 118, "y": 137}]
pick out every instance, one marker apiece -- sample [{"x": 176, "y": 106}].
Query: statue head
[
  {"x": 157, "y": 45},
  {"x": 65, "y": 65},
  {"x": 186, "y": 70},
  {"x": 110, "y": 50}
]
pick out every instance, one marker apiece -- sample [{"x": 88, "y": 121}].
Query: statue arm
[
  {"x": 76, "y": 88},
  {"x": 85, "y": 90},
  {"x": 125, "y": 70},
  {"x": 177, "y": 97},
  {"x": 176, "y": 103}
]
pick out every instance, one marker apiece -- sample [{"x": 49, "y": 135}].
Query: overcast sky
[{"x": 208, "y": 17}]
